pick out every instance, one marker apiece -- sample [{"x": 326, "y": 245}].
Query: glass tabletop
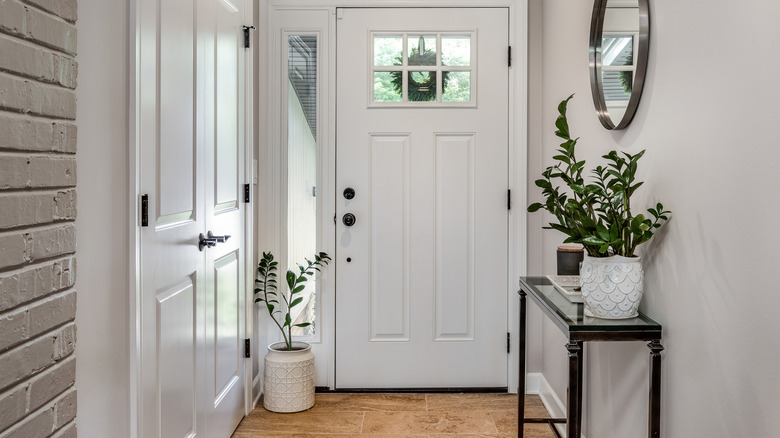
[{"x": 570, "y": 316}]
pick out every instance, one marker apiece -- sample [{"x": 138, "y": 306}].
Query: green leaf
[
  {"x": 298, "y": 289},
  {"x": 637, "y": 221},
  {"x": 593, "y": 240},
  {"x": 290, "y": 279},
  {"x": 563, "y": 229},
  {"x": 303, "y": 324},
  {"x": 287, "y": 320},
  {"x": 543, "y": 183},
  {"x": 296, "y": 302},
  {"x": 603, "y": 233},
  {"x": 534, "y": 207}
]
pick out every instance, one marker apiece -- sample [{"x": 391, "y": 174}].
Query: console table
[{"x": 578, "y": 328}]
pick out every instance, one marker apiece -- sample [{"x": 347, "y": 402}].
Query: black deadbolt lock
[
  {"x": 349, "y": 193},
  {"x": 348, "y": 219}
]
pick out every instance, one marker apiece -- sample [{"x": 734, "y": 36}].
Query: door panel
[
  {"x": 454, "y": 291},
  {"x": 421, "y": 275},
  {"x": 176, "y": 347},
  {"x": 389, "y": 291},
  {"x": 176, "y": 104},
  {"x": 227, "y": 98},
  {"x": 227, "y": 319}
]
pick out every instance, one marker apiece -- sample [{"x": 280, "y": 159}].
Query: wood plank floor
[{"x": 399, "y": 416}]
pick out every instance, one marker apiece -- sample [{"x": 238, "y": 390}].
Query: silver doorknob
[
  {"x": 220, "y": 239},
  {"x": 348, "y": 219},
  {"x": 206, "y": 242}
]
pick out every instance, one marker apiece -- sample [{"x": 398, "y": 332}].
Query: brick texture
[
  {"x": 21, "y": 133},
  {"x": 38, "y": 137}
]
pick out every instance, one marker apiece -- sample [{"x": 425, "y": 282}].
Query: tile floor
[{"x": 399, "y": 416}]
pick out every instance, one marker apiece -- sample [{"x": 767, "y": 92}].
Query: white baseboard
[
  {"x": 533, "y": 383},
  {"x": 537, "y": 384},
  {"x": 550, "y": 399},
  {"x": 257, "y": 386}
]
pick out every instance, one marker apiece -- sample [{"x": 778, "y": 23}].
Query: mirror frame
[{"x": 596, "y": 31}]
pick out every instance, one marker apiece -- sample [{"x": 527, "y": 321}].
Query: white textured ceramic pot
[
  {"x": 612, "y": 287},
  {"x": 288, "y": 384}
]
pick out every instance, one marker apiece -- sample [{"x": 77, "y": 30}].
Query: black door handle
[{"x": 348, "y": 219}]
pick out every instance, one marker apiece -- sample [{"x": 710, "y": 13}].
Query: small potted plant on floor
[
  {"x": 597, "y": 214},
  {"x": 288, "y": 384}
]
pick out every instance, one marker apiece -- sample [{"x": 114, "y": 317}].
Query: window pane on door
[
  {"x": 455, "y": 50},
  {"x": 422, "y": 49},
  {"x": 422, "y": 86},
  {"x": 387, "y": 86},
  {"x": 456, "y": 87},
  {"x": 388, "y": 50}
]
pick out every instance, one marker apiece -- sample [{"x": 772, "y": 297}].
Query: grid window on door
[{"x": 422, "y": 69}]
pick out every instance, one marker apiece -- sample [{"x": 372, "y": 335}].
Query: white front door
[
  {"x": 191, "y": 147},
  {"x": 422, "y": 140}
]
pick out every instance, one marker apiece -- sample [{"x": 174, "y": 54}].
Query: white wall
[
  {"x": 707, "y": 120},
  {"x": 101, "y": 318}
]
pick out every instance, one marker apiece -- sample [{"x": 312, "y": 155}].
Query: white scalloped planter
[
  {"x": 612, "y": 287},
  {"x": 288, "y": 383}
]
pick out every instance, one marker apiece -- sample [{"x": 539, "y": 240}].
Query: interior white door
[
  {"x": 421, "y": 274},
  {"x": 191, "y": 380}
]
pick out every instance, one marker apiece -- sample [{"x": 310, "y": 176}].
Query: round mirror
[{"x": 619, "y": 39}]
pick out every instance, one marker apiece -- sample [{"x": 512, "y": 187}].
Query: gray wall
[
  {"x": 707, "y": 120},
  {"x": 37, "y": 213},
  {"x": 102, "y": 376}
]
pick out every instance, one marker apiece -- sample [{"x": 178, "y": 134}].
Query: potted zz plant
[
  {"x": 288, "y": 384},
  {"x": 597, "y": 214}
]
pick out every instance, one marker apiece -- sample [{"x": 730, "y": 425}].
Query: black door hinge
[
  {"x": 508, "y": 342},
  {"x": 145, "y": 210},
  {"x": 246, "y": 35},
  {"x": 509, "y": 199},
  {"x": 510, "y": 56},
  {"x": 247, "y": 348},
  {"x": 247, "y": 194}
]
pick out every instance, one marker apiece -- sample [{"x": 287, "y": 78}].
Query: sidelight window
[{"x": 301, "y": 224}]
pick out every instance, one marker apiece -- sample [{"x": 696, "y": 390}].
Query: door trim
[
  {"x": 518, "y": 141},
  {"x": 133, "y": 235}
]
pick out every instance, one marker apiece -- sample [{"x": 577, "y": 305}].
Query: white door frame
[
  {"x": 268, "y": 189},
  {"x": 134, "y": 195}
]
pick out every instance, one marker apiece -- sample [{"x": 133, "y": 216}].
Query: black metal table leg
[
  {"x": 654, "y": 416},
  {"x": 574, "y": 395},
  {"x": 521, "y": 367}
]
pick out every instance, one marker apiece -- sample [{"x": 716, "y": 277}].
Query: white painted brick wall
[{"x": 38, "y": 135}]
